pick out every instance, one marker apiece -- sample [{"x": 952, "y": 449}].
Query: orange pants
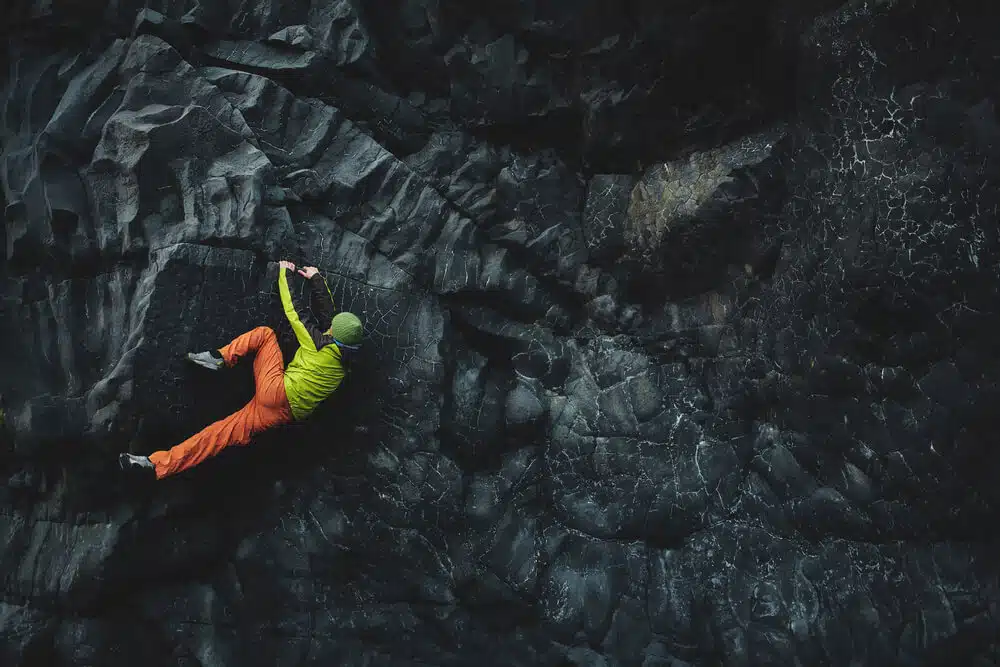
[{"x": 268, "y": 408}]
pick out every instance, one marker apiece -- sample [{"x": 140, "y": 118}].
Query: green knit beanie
[{"x": 346, "y": 327}]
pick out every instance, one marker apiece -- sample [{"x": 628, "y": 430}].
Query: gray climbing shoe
[
  {"x": 131, "y": 462},
  {"x": 211, "y": 361}
]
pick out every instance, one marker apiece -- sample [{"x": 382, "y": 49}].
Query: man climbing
[{"x": 282, "y": 395}]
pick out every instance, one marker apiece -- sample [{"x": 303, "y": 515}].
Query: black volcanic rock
[{"x": 681, "y": 332}]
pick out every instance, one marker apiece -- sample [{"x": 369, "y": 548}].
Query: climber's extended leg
[{"x": 268, "y": 408}]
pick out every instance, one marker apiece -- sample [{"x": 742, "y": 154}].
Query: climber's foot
[
  {"x": 131, "y": 463},
  {"x": 211, "y": 360}
]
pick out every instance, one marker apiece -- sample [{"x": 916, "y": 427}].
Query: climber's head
[{"x": 346, "y": 329}]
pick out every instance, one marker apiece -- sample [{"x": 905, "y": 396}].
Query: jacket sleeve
[
  {"x": 323, "y": 304},
  {"x": 301, "y": 333}
]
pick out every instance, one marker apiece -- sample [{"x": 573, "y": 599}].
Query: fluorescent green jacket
[{"x": 316, "y": 370}]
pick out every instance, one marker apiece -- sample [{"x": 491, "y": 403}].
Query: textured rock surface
[{"x": 682, "y": 326}]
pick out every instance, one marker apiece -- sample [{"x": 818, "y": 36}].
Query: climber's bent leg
[
  {"x": 261, "y": 339},
  {"x": 268, "y": 408},
  {"x": 268, "y": 369}
]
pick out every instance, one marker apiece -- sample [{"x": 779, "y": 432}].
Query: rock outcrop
[{"x": 681, "y": 332}]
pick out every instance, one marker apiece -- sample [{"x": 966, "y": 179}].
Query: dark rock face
[{"x": 681, "y": 328}]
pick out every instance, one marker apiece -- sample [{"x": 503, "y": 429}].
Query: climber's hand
[
  {"x": 286, "y": 265},
  {"x": 308, "y": 272}
]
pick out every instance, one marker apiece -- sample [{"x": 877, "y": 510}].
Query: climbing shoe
[
  {"x": 210, "y": 360},
  {"x": 133, "y": 463}
]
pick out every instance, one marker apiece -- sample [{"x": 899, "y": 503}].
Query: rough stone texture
[{"x": 682, "y": 328}]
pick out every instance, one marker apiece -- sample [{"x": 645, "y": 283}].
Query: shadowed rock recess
[{"x": 683, "y": 332}]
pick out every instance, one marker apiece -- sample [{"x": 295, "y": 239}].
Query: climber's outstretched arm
[{"x": 301, "y": 333}]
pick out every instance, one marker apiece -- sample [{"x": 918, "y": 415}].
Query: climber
[{"x": 282, "y": 395}]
